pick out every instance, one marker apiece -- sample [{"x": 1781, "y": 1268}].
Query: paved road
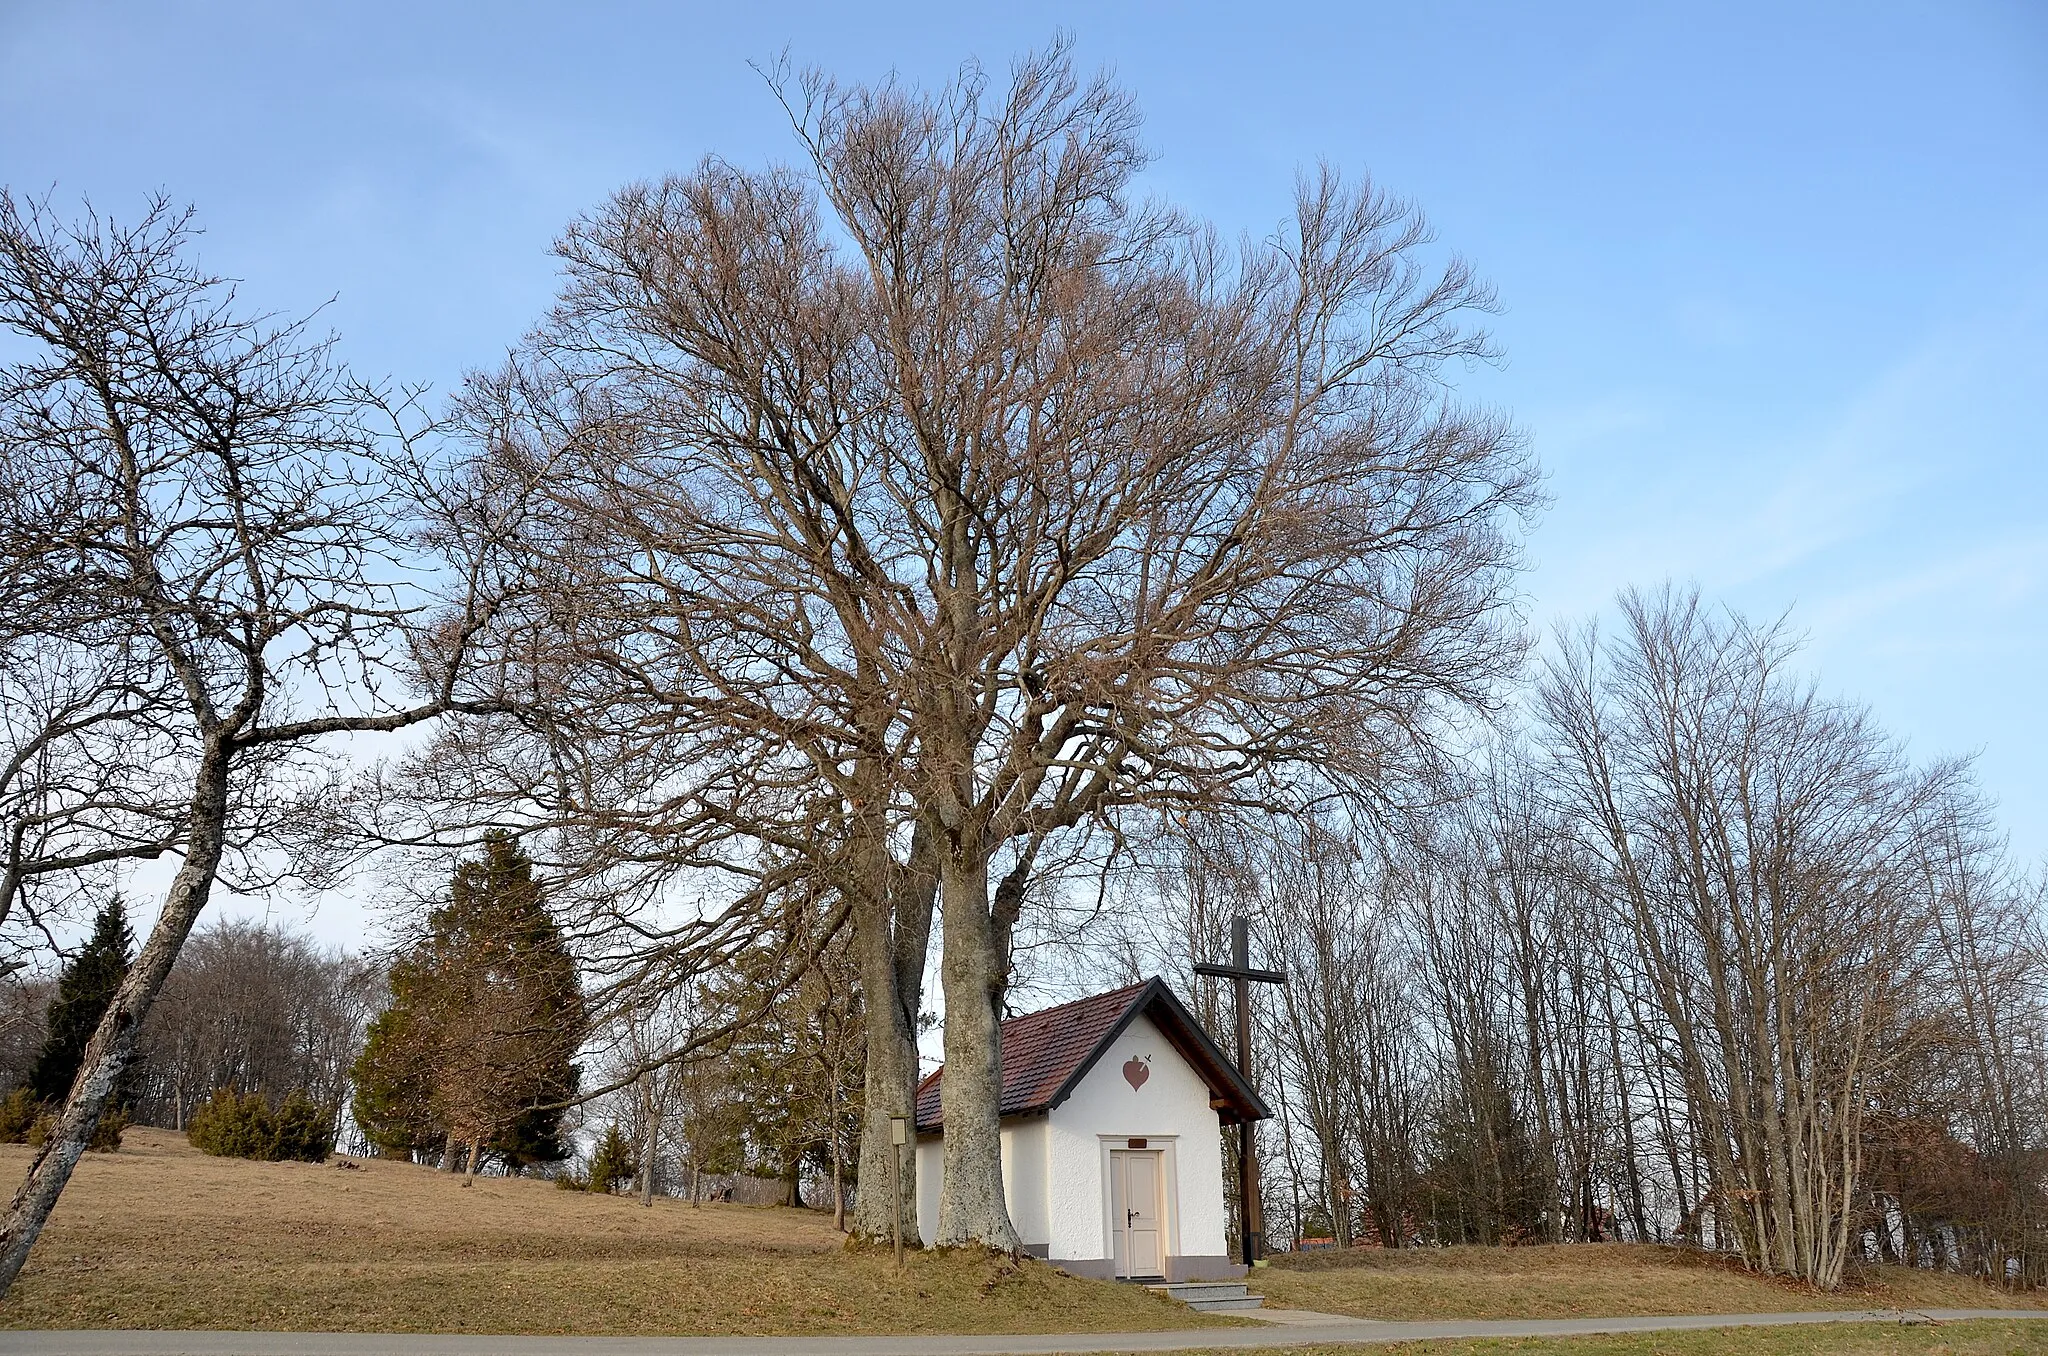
[{"x": 1302, "y": 1330}]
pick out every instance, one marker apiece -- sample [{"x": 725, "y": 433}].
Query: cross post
[{"x": 1241, "y": 974}]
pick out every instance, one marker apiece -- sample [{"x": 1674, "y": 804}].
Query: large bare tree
[
  {"x": 205, "y": 504},
  {"x": 962, "y": 489}
]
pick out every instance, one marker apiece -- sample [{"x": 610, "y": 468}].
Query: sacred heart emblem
[{"x": 1136, "y": 1071}]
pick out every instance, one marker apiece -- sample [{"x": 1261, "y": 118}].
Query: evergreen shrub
[
  {"x": 18, "y": 1114},
  {"x": 244, "y": 1125},
  {"x": 106, "y": 1136},
  {"x": 302, "y": 1132},
  {"x": 611, "y": 1166}
]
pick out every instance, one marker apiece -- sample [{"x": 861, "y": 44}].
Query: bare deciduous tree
[
  {"x": 952, "y": 484},
  {"x": 208, "y": 497},
  {"x": 1759, "y": 845}
]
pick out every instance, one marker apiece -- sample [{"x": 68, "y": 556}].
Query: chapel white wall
[
  {"x": 1024, "y": 1180},
  {"x": 1172, "y": 1111},
  {"x": 1026, "y": 1189},
  {"x": 930, "y": 1155}
]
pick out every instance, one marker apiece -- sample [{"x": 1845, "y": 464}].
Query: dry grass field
[
  {"x": 1605, "y": 1280},
  {"x": 161, "y": 1236},
  {"x": 1976, "y": 1338}
]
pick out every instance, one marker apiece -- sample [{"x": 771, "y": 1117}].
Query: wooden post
[{"x": 899, "y": 1133}]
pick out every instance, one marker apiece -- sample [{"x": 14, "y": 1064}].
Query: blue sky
[{"x": 1777, "y": 298}]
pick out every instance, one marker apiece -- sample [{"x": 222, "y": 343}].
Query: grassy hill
[
  {"x": 1598, "y": 1280},
  {"x": 161, "y": 1236}
]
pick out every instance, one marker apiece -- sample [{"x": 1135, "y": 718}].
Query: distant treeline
[
  {"x": 249, "y": 1006},
  {"x": 460, "y": 1050}
]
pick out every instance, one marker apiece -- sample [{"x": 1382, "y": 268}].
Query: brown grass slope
[
  {"x": 1598, "y": 1280},
  {"x": 161, "y": 1236}
]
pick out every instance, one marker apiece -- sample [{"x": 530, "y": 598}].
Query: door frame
[{"x": 1169, "y": 1195}]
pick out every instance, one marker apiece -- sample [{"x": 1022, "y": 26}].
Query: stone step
[{"x": 1210, "y": 1296}]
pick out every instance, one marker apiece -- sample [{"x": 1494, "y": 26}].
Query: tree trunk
[
  {"x": 892, "y": 917},
  {"x": 838, "y": 1176},
  {"x": 113, "y": 1041},
  {"x": 647, "y": 1140},
  {"x": 890, "y": 1083},
  {"x": 971, "y": 1205}
]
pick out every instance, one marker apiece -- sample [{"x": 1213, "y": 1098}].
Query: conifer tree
[
  {"x": 83, "y": 992},
  {"x": 394, "y": 1087},
  {"x": 476, "y": 1052},
  {"x": 611, "y": 1165}
]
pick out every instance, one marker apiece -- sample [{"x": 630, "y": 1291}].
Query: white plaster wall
[
  {"x": 1171, "y": 1110},
  {"x": 1025, "y": 1188},
  {"x": 1024, "y": 1180},
  {"x": 930, "y": 1155}
]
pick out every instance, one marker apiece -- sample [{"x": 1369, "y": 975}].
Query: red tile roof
[{"x": 1044, "y": 1054}]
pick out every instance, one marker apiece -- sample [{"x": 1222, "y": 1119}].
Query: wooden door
[{"x": 1138, "y": 1237}]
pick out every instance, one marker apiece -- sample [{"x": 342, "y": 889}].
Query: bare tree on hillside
[
  {"x": 208, "y": 496},
  {"x": 1035, "y": 511}
]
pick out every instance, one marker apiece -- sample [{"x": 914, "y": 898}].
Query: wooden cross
[{"x": 1240, "y": 973}]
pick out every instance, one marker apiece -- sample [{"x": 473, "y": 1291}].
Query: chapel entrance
[{"x": 1136, "y": 1190}]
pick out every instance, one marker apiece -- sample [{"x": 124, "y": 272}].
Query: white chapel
[{"x": 1112, "y": 1113}]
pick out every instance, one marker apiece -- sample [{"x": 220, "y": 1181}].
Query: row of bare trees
[
  {"x": 249, "y": 1006},
  {"x": 256, "y": 1008},
  {"x": 1698, "y": 956}
]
